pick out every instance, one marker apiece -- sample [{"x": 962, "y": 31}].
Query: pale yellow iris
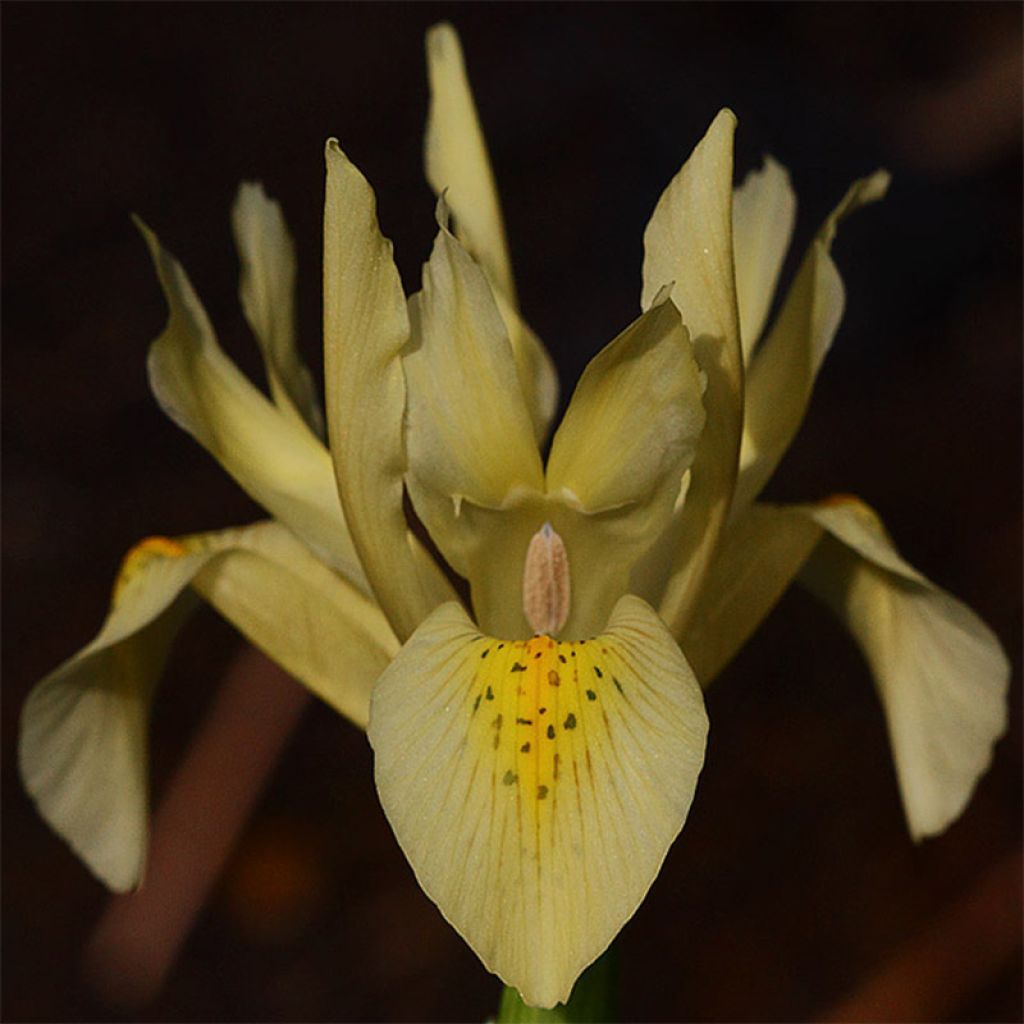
[{"x": 535, "y": 782}]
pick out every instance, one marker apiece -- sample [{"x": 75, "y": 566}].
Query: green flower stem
[{"x": 593, "y": 999}]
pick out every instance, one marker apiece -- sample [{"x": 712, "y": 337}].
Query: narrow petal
[
  {"x": 760, "y": 554},
  {"x": 456, "y": 158},
  {"x": 536, "y": 786},
  {"x": 940, "y": 671},
  {"x": 763, "y": 213},
  {"x": 365, "y": 328},
  {"x": 689, "y": 242},
  {"x": 277, "y": 461},
  {"x": 83, "y": 744},
  {"x": 782, "y": 372},
  {"x": 458, "y": 167},
  {"x": 267, "y": 289}
]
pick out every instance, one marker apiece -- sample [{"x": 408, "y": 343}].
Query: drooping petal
[
  {"x": 83, "y": 744},
  {"x": 782, "y": 372},
  {"x": 267, "y": 291},
  {"x": 689, "y": 242},
  {"x": 328, "y": 635},
  {"x": 763, "y": 213},
  {"x": 277, "y": 461},
  {"x": 940, "y": 671},
  {"x": 536, "y": 786},
  {"x": 458, "y": 167},
  {"x": 365, "y": 328}
]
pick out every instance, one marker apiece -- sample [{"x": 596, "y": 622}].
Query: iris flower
[{"x": 536, "y": 748}]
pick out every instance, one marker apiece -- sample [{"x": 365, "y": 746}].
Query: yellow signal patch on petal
[
  {"x": 536, "y": 785},
  {"x": 139, "y": 556}
]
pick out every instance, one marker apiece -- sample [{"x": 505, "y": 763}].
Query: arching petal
[
  {"x": 536, "y": 786},
  {"x": 365, "y": 328},
  {"x": 763, "y": 213},
  {"x": 940, "y": 672},
  {"x": 267, "y": 291},
  {"x": 275, "y": 459},
  {"x": 782, "y": 372},
  {"x": 83, "y": 744},
  {"x": 689, "y": 242},
  {"x": 627, "y": 438},
  {"x": 634, "y": 420},
  {"x": 458, "y": 167}
]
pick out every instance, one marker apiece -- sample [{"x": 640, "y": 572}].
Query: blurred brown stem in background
[
  {"x": 205, "y": 807},
  {"x": 934, "y": 974}
]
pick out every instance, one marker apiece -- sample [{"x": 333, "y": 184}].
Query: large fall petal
[
  {"x": 83, "y": 744},
  {"x": 536, "y": 786},
  {"x": 940, "y": 671}
]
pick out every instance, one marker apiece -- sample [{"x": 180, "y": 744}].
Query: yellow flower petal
[
  {"x": 781, "y": 374},
  {"x": 468, "y": 430},
  {"x": 458, "y": 167},
  {"x": 273, "y": 457},
  {"x": 83, "y": 746},
  {"x": 365, "y": 328},
  {"x": 689, "y": 242},
  {"x": 940, "y": 671},
  {"x": 763, "y": 212},
  {"x": 628, "y": 437},
  {"x": 267, "y": 290},
  {"x": 468, "y": 434},
  {"x": 760, "y": 554},
  {"x": 536, "y": 786},
  {"x": 632, "y": 426}
]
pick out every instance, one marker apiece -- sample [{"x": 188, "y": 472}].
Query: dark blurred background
[{"x": 794, "y": 882}]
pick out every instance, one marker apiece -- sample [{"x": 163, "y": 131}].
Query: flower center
[{"x": 546, "y": 588}]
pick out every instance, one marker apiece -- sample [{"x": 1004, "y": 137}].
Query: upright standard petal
[
  {"x": 763, "y": 212},
  {"x": 83, "y": 744},
  {"x": 689, "y": 242},
  {"x": 277, "y": 461},
  {"x": 782, "y": 372},
  {"x": 365, "y": 328},
  {"x": 267, "y": 290},
  {"x": 536, "y": 786},
  {"x": 458, "y": 167}
]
